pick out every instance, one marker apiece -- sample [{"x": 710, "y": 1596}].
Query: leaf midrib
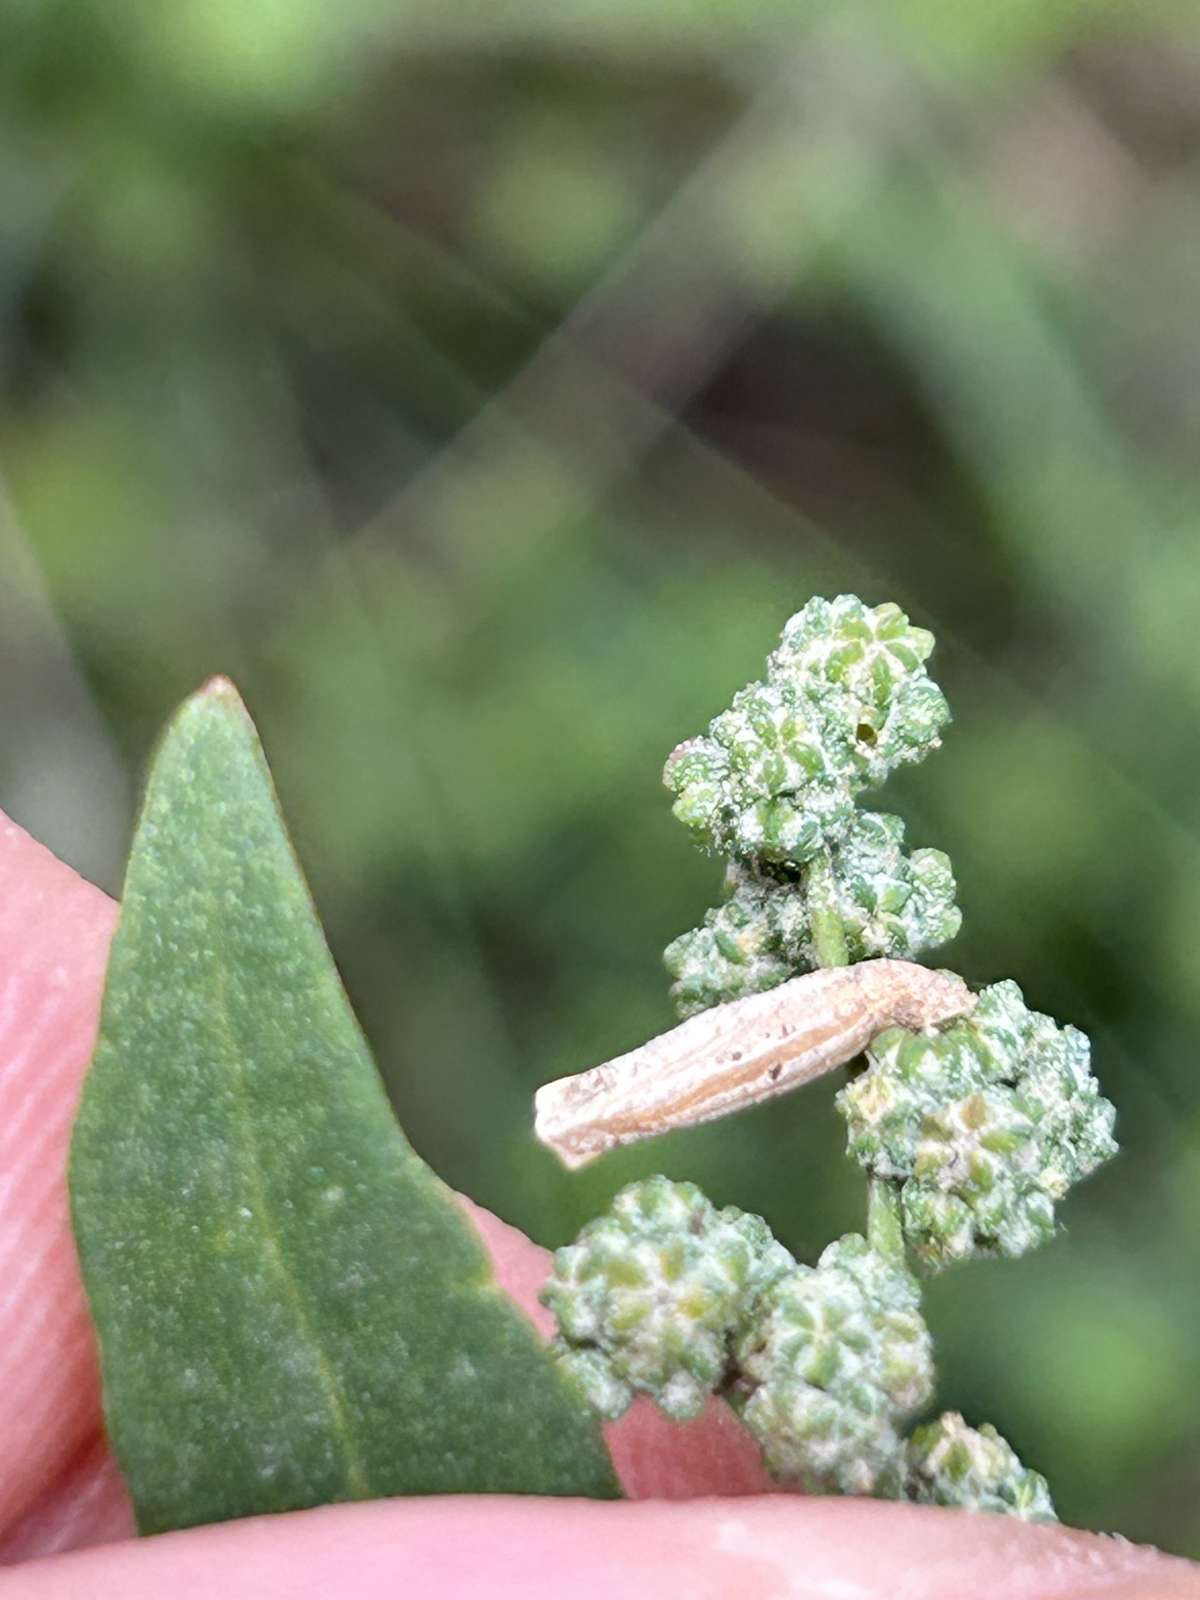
[{"x": 356, "y": 1476}]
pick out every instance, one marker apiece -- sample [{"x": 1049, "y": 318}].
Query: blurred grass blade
[{"x": 291, "y": 1308}]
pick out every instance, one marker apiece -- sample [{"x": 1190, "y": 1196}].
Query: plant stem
[
  {"x": 829, "y": 936},
  {"x": 884, "y": 1231}
]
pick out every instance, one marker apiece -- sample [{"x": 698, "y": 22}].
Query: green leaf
[{"x": 291, "y": 1307}]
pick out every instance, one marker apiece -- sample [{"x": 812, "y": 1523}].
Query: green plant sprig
[{"x": 969, "y": 1133}]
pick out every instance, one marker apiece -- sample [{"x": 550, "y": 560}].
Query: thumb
[{"x": 536, "y": 1549}]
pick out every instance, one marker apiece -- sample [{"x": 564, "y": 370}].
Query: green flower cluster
[
  {"x": 982, "y": 1127},
  {"x": 837, "y": 1358},
  {"x": 772, "y": 784},
  {"x": 846, "y": 699},
  {"x": 757, "y": 938},
  {"x": 888, "y": 904},
  {"x": 970, "y": 1133},
  {"x": 950, "y": 1464},
  {"x": 651, "y": 1295},
  {"x": 666, "y": 1296}
]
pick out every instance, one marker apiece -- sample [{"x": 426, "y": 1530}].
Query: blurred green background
[{"x": 482, "y": 387}]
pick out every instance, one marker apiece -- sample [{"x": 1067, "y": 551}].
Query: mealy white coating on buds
[
  {"x": 983, "y": 1125},
  {"x": 971, "y": 1131},
  {"x": 950, "y": 1464},
  {"x": 836, "y": 1360},
  {"x": 888, "y": 904},
  {"x": 845, "y": 700},
  {"x": 650, "y": 1296},
  {"x": 754, "y": 941},
  {"x": 667, "y": 1296}
]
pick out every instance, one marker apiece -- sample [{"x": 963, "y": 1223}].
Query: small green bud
[
  {"x": 873, "y": 659},
  {"x": 651, "y": 1294},
  {"x": 888, "y": 904},
  {"x": 950, "y": 1464},
  {"x": 983, "y": 1126},
  {"x": 836, "y": 1359},
  {"x": 754, "y": 941},
  {"x": 846, "y": 699}
]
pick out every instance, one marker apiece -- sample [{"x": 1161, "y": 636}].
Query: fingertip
[
  {"x": 54, "y": 936},
  {"x": 460, "y": 1547},
  {"x": 86, "y": 1505}
]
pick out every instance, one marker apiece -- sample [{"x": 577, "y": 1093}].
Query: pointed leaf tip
[
  {"x": 219, "y": 684},
  {"x": 216, "y": 691},
  {"x": 291, "y": 1308}
]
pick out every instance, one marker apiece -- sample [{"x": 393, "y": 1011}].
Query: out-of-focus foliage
[{"x": 483, "y": 387}]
